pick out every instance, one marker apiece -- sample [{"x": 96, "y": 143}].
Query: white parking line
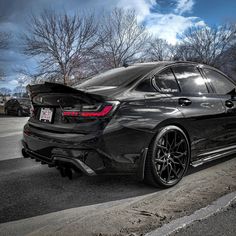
[{"x": 10, "y": 134}]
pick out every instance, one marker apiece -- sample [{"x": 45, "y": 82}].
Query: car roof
[{"x": 164, "y": 63}]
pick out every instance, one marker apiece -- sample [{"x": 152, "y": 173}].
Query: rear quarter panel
[{"x": 136, "y": 123}]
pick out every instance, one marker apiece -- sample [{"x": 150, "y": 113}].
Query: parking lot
[{"x": 117, "y": 205}]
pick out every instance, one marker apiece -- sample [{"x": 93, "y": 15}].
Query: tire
[
  {"x": 19, "y": 112},
  {"x": 6, "y": 112},
  {"x": 168, "y": 157}
]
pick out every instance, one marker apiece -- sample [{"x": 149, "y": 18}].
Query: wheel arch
[
  {"x": 169, "y": 123},
  {"x": 143, "y": 155}
]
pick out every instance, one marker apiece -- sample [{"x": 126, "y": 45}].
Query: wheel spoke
[
  {"x": 174, "y": 140},
  {"x": 159, "y": 161},
  {"x": 174, "y": 162},
  {"x": 162, "y": 147},
  {"x": 168, "y": 173},
  {"x": 181, "y": 163},
  {"x": 163, "y": 168},
  {"x": 179, "y": 143},
  {"x": 175, "y": 173},
  {"x": 179, "y": 154},
  {"x": 168, "y": 145}
]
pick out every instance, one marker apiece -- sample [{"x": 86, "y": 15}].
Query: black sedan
[
  {"x": 18, "y": 106},
  {"x": 149, "y": 119}
]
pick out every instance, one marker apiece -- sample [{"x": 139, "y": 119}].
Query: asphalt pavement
[
  {"x": 10, "y": 136},
  {"x": 26, "y": 184},
  {"x": 29, "y": 189}
]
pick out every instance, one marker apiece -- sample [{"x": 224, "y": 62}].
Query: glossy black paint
[{"x": 119, "y": 142}]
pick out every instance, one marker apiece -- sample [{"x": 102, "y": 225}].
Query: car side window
[
  {"x": 166, "y": 81},
  {"x": 145, "y": 86},
  {"x": 221, "y": 84},
  {"x": 190, "y": 80}
]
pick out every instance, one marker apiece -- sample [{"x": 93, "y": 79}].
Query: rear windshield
[{"x": 116, "y": 77}]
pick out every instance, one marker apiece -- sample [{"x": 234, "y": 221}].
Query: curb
[{"x": 218, "y": 205}]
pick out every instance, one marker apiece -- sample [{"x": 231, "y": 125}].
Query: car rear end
[
  {"x": 91, "y": 128},
  {"x": 66, "y": 126}
]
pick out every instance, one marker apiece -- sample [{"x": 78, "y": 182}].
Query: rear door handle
[
  {"x": 184, "y": 102},
  {"x": 229, "y": 104}
]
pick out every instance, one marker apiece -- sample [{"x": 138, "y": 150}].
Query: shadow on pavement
[{"x": 29, "y": 189}]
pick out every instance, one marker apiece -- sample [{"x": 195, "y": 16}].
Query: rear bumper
[
  {"x": 94, "y": 153},
  {"x": 59, "y": 160},
  {"x": 77, "y": 151}
]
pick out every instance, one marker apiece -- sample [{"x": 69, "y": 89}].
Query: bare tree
[
  {"x": 159, "y": 50},
  {"x": 207, "y": 45},
  {"x": 121, "y": 39},
  {"x": 5, "y": 91},
  {"x": 4, "y": 43},
  {"x": 61, "y": 42}
]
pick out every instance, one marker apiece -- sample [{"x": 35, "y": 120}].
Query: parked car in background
[
  {"x": 18, "y": 106},
  {"x": 148, "y": 119}
]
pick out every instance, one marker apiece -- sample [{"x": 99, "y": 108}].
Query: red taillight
[
  {"x": 105, "y": 111},
  {"x": 70, "y": 113}
]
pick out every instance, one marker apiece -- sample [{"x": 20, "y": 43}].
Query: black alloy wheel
[{"x": 168, "y": 157}]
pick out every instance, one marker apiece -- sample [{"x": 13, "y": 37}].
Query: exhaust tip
[
  {"x": 69, "y": 173},
  {"x": 62, "y": 172},
  {"x": 66, "y": 172}
]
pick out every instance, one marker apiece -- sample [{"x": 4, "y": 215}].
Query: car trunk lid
[{"x": 60, "y": 108}]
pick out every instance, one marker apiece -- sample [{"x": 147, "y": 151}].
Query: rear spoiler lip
[{"x": 48, "y": 87}]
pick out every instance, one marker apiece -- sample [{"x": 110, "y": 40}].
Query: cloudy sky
[{"x": 164, "y": 18}]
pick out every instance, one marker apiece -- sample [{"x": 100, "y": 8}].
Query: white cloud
[
  {"x": 184, "y": 6},
  {"x": 165, "y": 26},
  {"x": 141, "y": 7},
  {"x": 13, "y": 82},
  {"x": 200, "y": 23},
  {"x": 169, "y": 26}
]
